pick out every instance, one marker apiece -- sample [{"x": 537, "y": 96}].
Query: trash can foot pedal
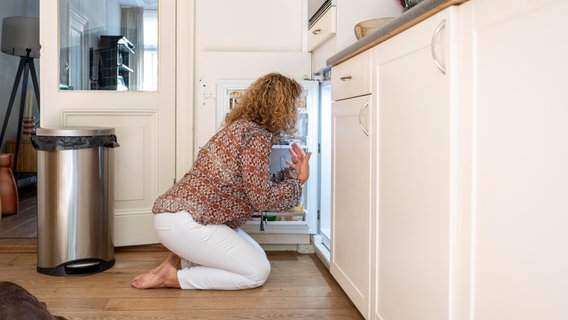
[{"x": 78, "y": 267}]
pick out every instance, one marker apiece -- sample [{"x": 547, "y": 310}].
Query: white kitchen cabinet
[
  {"x": 352, "y": 78},
  {"x": 323, "y": 29},
  {"x": 469, "y": 164},
  {"x": 515, "y": 89},
  {"x": 248, "y": 26},
  {"x": 415, "y": 83},
  {"x": 351, "y": 179}
]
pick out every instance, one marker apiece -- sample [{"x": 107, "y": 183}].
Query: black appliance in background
[{"x": 316, "y": 8}]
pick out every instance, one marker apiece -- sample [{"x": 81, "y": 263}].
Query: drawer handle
[
  {"x": 317, "y": 31},
  {"x": 363, "y": 109},
  {"x": 439, "y": 64},
  {"x": 345, "y": 78}
]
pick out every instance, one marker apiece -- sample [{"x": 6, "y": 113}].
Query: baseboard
[
  {"x": 322, "y": 251},
  {"x": 29, "y": 245}
]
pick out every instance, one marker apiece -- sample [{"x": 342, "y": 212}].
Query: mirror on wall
[{"x": 108, "y": 45}]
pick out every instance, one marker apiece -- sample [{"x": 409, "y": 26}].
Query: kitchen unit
[
  {"x": 322, "y": 28},
  {"x": 413, "y": 227},
  {"x": 515, "y": 152},
  {"x": 469, "y": 152},
  {"x": 327, "y": 34},
  {"x": 405, "y": 161},
  {"x": 351, "y": 177}
]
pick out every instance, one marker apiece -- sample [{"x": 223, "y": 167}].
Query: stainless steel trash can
[{"x": 75, "y": 200}]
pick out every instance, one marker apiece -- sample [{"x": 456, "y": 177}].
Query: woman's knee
[{"x": 259, "y": 277}]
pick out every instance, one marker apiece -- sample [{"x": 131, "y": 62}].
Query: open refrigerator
[{"x": 304, "y": 218}]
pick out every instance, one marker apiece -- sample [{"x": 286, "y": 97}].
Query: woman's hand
[{"x": 300, "y": 162}]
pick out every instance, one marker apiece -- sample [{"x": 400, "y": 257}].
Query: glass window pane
[{"x": 108, "y": 45}]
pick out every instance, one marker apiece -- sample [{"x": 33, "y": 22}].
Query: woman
[{"x": 198, "y": 218}]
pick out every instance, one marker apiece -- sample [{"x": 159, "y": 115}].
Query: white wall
[{"x": 9, "y": 64}]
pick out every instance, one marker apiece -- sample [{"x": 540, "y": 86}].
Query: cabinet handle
[
  {"x": 345, "y": 78},
  {"x": 439, "y": 64},
  {"x": 317, "y": 31},
  {"x": 365, "y": 106}
]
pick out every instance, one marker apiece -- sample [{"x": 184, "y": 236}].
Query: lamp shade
[{"x": 20, "y": 34}]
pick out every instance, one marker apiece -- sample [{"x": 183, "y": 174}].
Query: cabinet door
[
  {"x": 351, "y": 180},
  {"x": 322, "y": 30},
  {"x": 519, "y": 158},
  {"x": 352, "y": 78},
  {"x": 414, "y": 231}
]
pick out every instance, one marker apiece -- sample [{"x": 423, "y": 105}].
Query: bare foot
[
  {"x": 171, "y": 260},
  {"x": 164, "y": 276}
]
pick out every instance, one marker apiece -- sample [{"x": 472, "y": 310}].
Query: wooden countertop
[{"x": 406, "y": 20}]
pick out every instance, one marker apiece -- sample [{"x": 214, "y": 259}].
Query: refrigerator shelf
[
  {"x": 279, "y": 216},
  {"x": 288, "y": 146},
  {"x": 297, "y": 227}
]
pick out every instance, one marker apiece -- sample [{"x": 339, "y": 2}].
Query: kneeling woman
[{"x": 198, "y": 218}]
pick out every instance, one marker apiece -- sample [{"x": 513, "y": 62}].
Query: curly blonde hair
[{"x": 271, "y": 102}]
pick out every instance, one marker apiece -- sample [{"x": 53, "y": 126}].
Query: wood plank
[
  {"x": 321, "y": 314},
  {"x": 19, "y": 245},
  {"x": 126, "y": 292},
  {"x": 199, "y": 303}
]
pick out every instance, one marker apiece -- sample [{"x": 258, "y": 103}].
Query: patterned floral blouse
[{"x": 231, "y": 179}]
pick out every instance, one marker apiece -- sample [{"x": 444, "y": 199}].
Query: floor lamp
[{"x": 20, "y": 37}]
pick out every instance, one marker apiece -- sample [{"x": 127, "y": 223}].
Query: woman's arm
[{"x": 261, "y": 191}]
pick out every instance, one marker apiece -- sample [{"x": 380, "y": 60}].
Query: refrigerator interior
[{"x": 304, "y": 218}]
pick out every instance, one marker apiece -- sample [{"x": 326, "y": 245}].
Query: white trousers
[{"x": 212, "y": 256}]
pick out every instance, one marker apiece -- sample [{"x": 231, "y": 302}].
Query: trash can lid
[{"x": 74, "y": 131}]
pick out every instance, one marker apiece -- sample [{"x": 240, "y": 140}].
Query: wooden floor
[
  {"x": 24, "y": 223},
  {"x": 299, "y": 286}
]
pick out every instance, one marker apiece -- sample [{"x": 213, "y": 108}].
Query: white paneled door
[{"x": 143, "y": 115}]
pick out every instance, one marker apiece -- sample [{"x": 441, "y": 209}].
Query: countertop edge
[{"x": 406, "y": 20}]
